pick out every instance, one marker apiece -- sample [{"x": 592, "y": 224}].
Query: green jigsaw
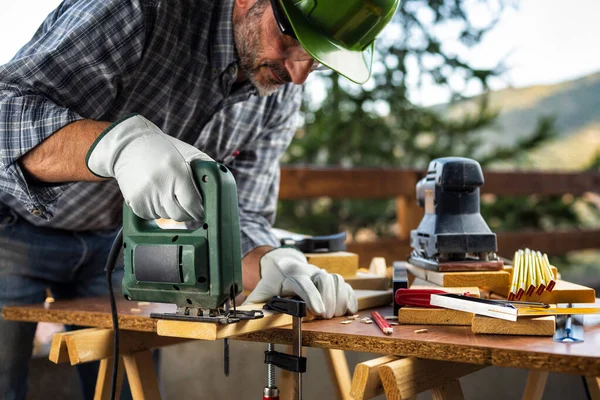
[{"x": 199, "y": 270}]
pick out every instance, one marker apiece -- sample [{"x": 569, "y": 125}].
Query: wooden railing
[{"x": 378, "y": 183}]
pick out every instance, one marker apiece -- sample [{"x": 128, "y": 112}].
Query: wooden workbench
[{"x": 449, "y": 343}]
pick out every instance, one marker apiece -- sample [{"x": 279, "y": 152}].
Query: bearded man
[{"x": 112, "y": 99}]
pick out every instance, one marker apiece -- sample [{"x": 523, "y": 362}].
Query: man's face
[{"x": 268, "y": 57}]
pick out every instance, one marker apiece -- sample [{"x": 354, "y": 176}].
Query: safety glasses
[{"x": 281, "y": 19}]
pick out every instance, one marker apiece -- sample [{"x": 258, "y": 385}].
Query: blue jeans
[{"x": 70, "y": 264}]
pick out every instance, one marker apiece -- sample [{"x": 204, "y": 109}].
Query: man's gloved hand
[
  {"x": 151, "y": 168},
  {"x": 286, "y": 272}
]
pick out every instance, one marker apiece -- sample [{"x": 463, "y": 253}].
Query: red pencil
[{"x": 382, "y": 323}]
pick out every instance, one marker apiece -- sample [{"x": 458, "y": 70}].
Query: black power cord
[{"x": 111, "y": 263}]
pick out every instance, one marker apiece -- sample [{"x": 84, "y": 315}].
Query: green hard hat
[{"x": 340, "y": 34}]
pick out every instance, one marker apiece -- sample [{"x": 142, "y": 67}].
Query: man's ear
[{"x": 243, "y": 6}]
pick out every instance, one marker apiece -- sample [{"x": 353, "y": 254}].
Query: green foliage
[{"x": 377, "y": 124}]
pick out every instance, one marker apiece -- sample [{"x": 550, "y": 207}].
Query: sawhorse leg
[
  {"x": 96, "y": 344},
  {"x": 593, "y": 384},
  {"x": 142, "y": 376},
  {"x": 536, "y": 382},
  {"x": 104, "y": 382},
  {"x": 407, "y": 377},
  {"x": 340, "y": 373}
]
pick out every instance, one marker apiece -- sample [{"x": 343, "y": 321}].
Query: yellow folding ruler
[{"x": 533, "y": 311}]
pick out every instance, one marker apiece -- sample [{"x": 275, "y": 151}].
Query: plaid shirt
[{"x": 174, "y": 62}]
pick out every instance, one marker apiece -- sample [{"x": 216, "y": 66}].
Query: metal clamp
[{"x": 293, "y": 363}]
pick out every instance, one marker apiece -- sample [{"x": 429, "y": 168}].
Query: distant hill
[{"x": 575, "y": 105}]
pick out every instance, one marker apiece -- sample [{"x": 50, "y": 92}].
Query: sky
[{"x": 542, "y": 41}]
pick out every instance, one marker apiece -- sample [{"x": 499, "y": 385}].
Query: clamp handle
[
  {"x": 293, "y": 307},
  {"x": 284, "y": 361}
]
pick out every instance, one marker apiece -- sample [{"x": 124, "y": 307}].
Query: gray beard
[{"x": 247, "y": 32}]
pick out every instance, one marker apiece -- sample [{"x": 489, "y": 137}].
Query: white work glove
[
  {"x": 286, "y": 272},
  {"x": 152, "y": 169}
]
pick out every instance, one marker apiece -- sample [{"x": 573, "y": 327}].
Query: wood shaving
[
  {"x": 394, "y": 323},
  {"x": 420, "y": 331},
  {"x": 353, "y": 317},
  {"x": 391, "y": 317},
  {"x": 143, "y": 303},
  {"x": 348, "y": 321},
  {"x": 136, "y": 310},
  {"x": 366, "y": 321}
]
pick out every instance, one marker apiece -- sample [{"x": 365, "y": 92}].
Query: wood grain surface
[
  {"x": 450, "y": 343},
  {"x": 490, "y": 279},
  {"x": 367, "y": 281},
  {"x": 366, "y": 382},
  {"x": 537, "y": 326},
  {"x": 338, "y": 262},
  {"x": 433, "y": 316}
]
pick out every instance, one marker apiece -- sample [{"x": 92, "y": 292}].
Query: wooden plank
[
  {"x": 565, "y": 292},
  {"x": 58, "y": 349},
  {"x": 538, "y": 326},
  {"x": 91, "y": 311},
  {"x": 212, "y": 331},
  {"x": 367, "y": 281},
  {"x": 96, "y": 344},
  {"x": 356, "y": 183},
  {"x": 142, "y": 376},
  {"x": 437, "y": 316},
  {"x": 542, "y": 183},
  {"x": 472, "y": 290},
  {"x": 366, "y": 382},
  {"x": 373, "y": 298},
  {"x": 340, "y": 374},
  {"x": 536, "y": 382},
  {"x": 104, "y": 381},
  {"x": 448, "y": 391},
  {"x": 491, "y": 279},
  {"x": 410, "y": 376},
  {"x": 433, "y": 316},
  {"x": 209, "y": 331},
  {"x": 301, "y": 182},
  {"x": 339, "y": 262}
]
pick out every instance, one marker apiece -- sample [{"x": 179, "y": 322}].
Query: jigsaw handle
[{"x": 215, "y": 244}]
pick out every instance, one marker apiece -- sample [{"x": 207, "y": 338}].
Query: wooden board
[
  {"x": 95, "y": 344},
  {"x": 538, "y": 326},
  {"x": 433, "y": 316},
  {"x": 367, "y": 281},
  {"x": 565, "y": 292},
  {"x": 451, "y": 343},
  {"x": 373, "y": 298},
  {"x": 473, "y": 291},
  {"x": 436, "y": 316},
  {"x": 491, "y": 279},
  {"x": 339, "y": 262},
  {"x": 209, "y": 331}
]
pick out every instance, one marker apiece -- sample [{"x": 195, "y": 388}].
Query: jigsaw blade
[{"x": 226, "y": 356}]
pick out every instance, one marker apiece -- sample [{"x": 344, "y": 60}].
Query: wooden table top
[{"x": 450, "y": 343}]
